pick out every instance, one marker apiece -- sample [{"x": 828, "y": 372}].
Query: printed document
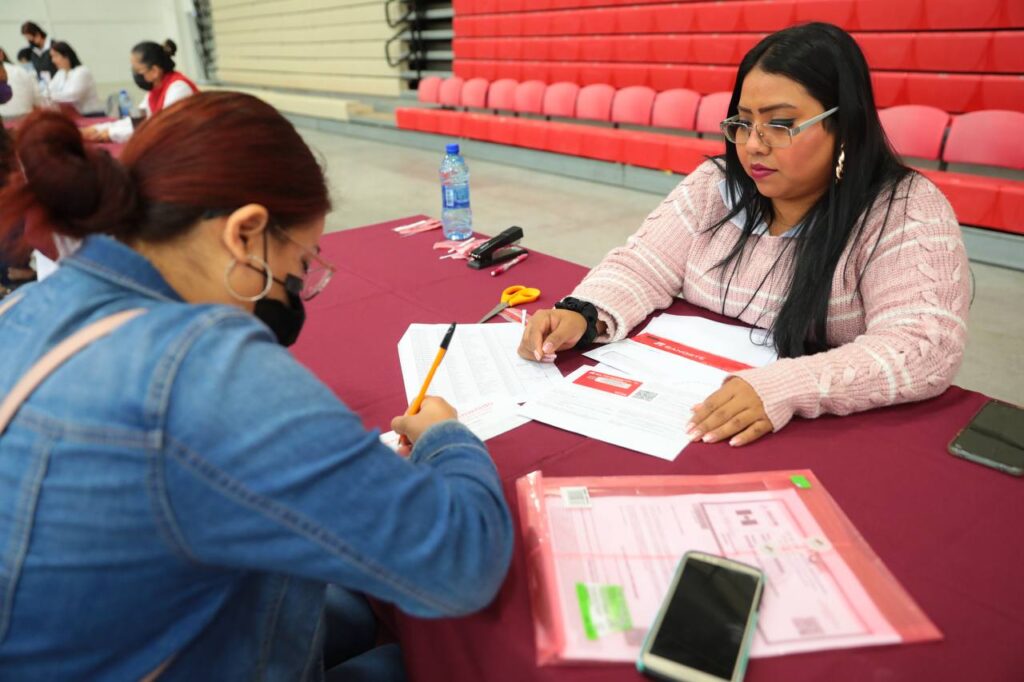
[
  {"x": 626, "y": 549},
  {"x": 636, "y": 414},
  {"x": 691, "y": 353},
  {"x": 481, "y": 374}
]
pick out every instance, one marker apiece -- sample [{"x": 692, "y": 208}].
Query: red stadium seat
[
  {"x": 889, "y": 51},
  {"x": 915, "y": 130},
  {"x": 429, "y": 89},
  {"x": 889, "y": 89},
  {"x": 675, "y": 109},
  {"x": 974, "y": 197},
  {"x": 671, "y": 49},
  {"x": 1006, "y": 53},
  {"x": 502, "y": 94},
  {"x": 961, "y": 14},
  {"x": 838, "y": 12},
  {"x": 628, "y": 48},
  {"x": 560, "y": 100},
  {"x": 889, "y": 15},
  {"x": 950, "y": 52},
  {"x": 986, "y": 137},
  {"x": 451, "y": 92},
  {"x": 1010, "y": 207},
  {"x": 684, "y": 154},
  {"x": 1001, "y": 92},
  {"x": 633, "y": 105},
  {"x": 529, "y": 97},
  {"x": 953, "y": 92},
  {"x": 714, "y": 109},
  {"x": 474, "y": 93},
  {"x": 595, "y": 102},
  {"x": 705, "y": 79}
]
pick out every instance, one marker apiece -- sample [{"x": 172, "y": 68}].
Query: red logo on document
[
  {"x": 608, "y": 383},
  {"x": 695, "y": 354}
]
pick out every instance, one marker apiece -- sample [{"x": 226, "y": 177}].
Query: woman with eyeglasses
[
  {"x": 176, "y": 496},
  {"x": 810, "y": 227}
]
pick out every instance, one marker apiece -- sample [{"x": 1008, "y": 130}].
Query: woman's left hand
[{"x": 734, "y": 411}]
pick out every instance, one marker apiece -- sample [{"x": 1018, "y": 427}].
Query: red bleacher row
[
  {"x": 959, "y": 52},
  {"x": 518, "y": 17},
  {"x": 977, "y": 138},
  {"x": 952, "y": 92}
]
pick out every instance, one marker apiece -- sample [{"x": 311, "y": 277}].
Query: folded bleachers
[
  {"x": 958, "y": 55},
  {"x": 599, "y": 110}
]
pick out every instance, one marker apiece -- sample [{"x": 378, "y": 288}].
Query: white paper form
[
  {"x": 485, "y": 421},
  {"x": 639, "y": 415},
  {"x": 629, "y": 547},
  {"x": 689, "y": 352},
  {"x": 481, "y": 375}
]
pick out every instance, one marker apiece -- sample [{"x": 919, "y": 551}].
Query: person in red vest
[{"x": 153, "y": 71}]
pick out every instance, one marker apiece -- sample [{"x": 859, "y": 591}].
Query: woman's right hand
[
  {"x": 432, "y": 411},
  {"x": 95, "y": 134},
  {"x": 550, "y": 331}
]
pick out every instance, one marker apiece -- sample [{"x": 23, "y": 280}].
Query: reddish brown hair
[{"x": 213, "y": 151}]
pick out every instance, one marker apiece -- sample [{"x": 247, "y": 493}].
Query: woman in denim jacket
[{"x": 175, "y": 498}]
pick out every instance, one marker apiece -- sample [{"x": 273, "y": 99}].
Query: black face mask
[
  {"x": 284, "y": 319},
  {"x": 141, "y": 82}
]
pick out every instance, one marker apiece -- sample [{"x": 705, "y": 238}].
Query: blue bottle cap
[{"x": 451, "y": 149}]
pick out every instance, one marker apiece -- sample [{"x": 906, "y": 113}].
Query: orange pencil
[{"x": 415, "y": 406}]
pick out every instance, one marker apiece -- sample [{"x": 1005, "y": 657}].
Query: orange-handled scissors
[{"x": 510, "y": 297}]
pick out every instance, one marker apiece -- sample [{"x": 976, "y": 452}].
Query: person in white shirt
[
  {"x": 153, "y": 71},
  {"x": 24, "y": 89},
  {"x": 73, "y": 83}
]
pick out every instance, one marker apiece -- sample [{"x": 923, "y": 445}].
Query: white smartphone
[{"x": 703, "y": 631}]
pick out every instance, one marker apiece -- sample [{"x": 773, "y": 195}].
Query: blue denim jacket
[{"x": 184, "y": 488}]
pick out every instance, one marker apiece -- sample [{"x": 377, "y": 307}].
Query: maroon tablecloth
[{"x": 948, "y": 529}]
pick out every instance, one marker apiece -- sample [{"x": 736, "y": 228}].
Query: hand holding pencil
[{"x": 408, "y": 425}]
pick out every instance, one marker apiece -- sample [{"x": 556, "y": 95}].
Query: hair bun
[
  {"x": 170, "y": 48},
  {"x": 83, "y": 190}
]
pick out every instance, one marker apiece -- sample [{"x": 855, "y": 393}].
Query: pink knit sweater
[{"x": 902, "y": 339}]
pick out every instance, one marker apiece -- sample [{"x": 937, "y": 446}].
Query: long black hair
[
  {"x": 153, "y": 54},
  {"x": 67, "y": 52},
  {"x": 827, "y": 62}
]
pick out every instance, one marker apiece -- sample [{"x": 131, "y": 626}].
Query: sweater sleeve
[
  {"x": 647, "y": 273},
  {"x": 916, "y": 293}
]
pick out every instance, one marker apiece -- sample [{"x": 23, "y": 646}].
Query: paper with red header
[
  {"x": 629, "y": 546},
  {"x": 602, "y": 403},
  {"x": 691, "y": 353}
]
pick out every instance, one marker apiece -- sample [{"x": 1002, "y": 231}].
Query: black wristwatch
[{"x": 589, "y": 313}]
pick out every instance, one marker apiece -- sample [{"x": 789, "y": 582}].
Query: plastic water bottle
[
  {"x": 456, "y": 216},
  {"x": 124, "y": 104}
]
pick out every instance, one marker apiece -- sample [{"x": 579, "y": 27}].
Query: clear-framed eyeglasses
[
  {"x": 317, "y": 272},
  {"x": 774, "y": 135}
]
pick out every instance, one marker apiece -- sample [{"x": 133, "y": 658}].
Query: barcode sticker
[
  {"x": 808, "y": 627},
  {"x": 575, "y": 497}
]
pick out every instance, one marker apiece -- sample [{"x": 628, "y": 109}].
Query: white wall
[{"x": 103, "y": 32}]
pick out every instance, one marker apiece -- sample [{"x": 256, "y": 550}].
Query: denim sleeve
[{"x": 263, "y": 468}]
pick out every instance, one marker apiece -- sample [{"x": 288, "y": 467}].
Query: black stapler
[{"x": 497, "y": 249}]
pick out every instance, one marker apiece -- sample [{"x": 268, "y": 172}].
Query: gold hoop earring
[
  {"x": 839, "y": 163},
  {"x": 262, "y": 264}
]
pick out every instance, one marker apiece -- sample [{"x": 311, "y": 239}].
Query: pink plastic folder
[{"x": 600, "y": 551}]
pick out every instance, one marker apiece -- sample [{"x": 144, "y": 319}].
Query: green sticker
[
  {"x": 603, "y": 608},
  {"x": 800, "y": 481}
]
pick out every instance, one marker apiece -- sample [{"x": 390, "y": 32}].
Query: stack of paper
[{"x": 482, "y": 375}]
